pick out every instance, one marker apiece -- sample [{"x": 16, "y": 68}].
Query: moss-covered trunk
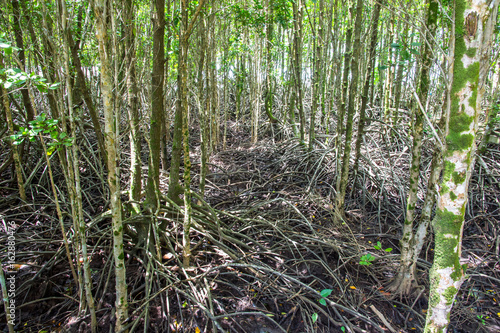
[{"x": 472, "y": 39}]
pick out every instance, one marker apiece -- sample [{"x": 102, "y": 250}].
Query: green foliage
[
  {"x": 379, "y": 247},
  {"x": 43, "y": 126},
  {"x": 249, "y": 16},
  {"x": 5, "y": 45},
  {"x": 366, "y": 259},
  {"x": 282, "y": 12},
  {"x": 406, "y": 51},
  {"x": 324, "y": 294},
  {"x": 15, "y": 77}
]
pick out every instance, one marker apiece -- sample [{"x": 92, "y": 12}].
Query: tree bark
[
  {"x": 344, "y": 175},
  {"x": 103, "y": 11},
  {"x": 368, "y": 80},
  {"x": 10, "y": 123},
  {"x": 133, "y": 106},
  {"x": 18, "y": 33},
  {"x": 157, "y": 110},
  {"x": 405, "y": 281},
  {"x": 473, "y": 30},
  {"x": 297, "y": 32}
]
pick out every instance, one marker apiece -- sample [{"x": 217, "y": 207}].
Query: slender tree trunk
[
  {"x": 47, "y": 60},
  {"x": 203, "y": 104},
  {"x": 343, "y": 98},
  {"x": 157, "y": 109},
  {"x": 389, "y": 73},
  {"x": 293, "y": 91},
  {"x": 399, "y": 77},
  {"x": 474, "y": 22},
  {"x": 344, "y": 175},
  {"x": 18, "y": 33},
  {"x": 269, "y": 63},
  {"x": 165, "y": 131},
  {"x": 184, "y": 34},
  {"x": 133, "y": 107},
  {"x": 103, "y": 10},
  {"x": 297, "y": 22},
  {"x": 368, "y": 81},
  {"x": 214, "y": 113},
  {"x": 405, "y": 281},
  {"x": 10, "y": 123},
  {"x": 316, "y": 83},
  {"x": 74, "y": 184}
]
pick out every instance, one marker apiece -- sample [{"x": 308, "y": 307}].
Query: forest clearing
[{"x": 250, "y": 166}]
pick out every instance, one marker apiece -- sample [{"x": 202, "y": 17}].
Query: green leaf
[
  {"x": 342, "y": 329},
  {"x": 326, "y": 292},
  {"x": 54, "y": 86},
  {"x": 405, "y": 55},
  {"x": 314, "y": 317},
  {"x": 52, "y": 122},
  {"x": 51, "y": 150},
  {"x": 322, "y": 301},
  {"x": 417, "y": 44},
  {"x": 413, "y": 51},
  {"x": 388, "y": 249},
  {"x": 395, "y": 45}
]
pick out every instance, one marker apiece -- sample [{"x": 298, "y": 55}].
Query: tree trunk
[
  {"x": 157, "y": 110},
  {"x": 103, "y": 11},
  {"x": 368, "y": 80},
  {"x": 405, "y": 281},
  {"x": 74, "y": 183},
  {"x": 343, "y": 100},
  {"x": 297, "y": 32},
  {"x": 316, "y": 83},
  {"x": 269, "y": 63},
  {"x": 344, "y": 175},
  {"x": 17, "y": 160},
  {"x": 473, "y": 30},
  {"x": 133, "y": 107},
  {"x": 18, "y": 33}
]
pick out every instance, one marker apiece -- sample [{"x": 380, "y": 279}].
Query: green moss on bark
[
  {"x": 447, "y": 228},
  {"x": 458, "y": 177},
  {"x": 449, "y": 294},
  {"x": 448, "y": 169}
]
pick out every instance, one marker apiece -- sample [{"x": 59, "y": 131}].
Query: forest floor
[{"x": 265, "y": 248}]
